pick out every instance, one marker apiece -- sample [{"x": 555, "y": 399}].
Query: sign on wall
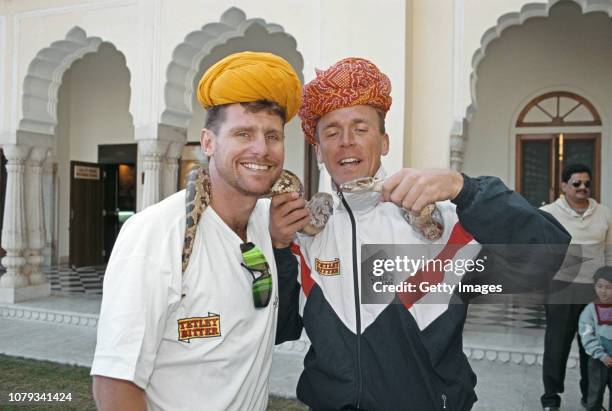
[{"x": 86, "y": 173}]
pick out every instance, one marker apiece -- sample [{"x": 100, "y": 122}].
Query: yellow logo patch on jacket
[
  {"x": 327, "y": 268},
  {"x": 199, "y": 327}
]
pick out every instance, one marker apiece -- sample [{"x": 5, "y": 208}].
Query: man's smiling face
[{"x": 247, "y": 151}]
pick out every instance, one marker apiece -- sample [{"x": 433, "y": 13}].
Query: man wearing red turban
[{"x": 401, "y": 354}]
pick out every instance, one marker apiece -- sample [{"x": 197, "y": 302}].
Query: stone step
[
  {"x": 502, "y": 345},
  {"x": 79, "y": 311}
]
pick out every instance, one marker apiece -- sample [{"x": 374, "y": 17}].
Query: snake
[
  {"x": 428, "y": 222},
  {"x": 198, "y": 197}
]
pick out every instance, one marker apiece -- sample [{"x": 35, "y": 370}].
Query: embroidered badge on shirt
[
  {"x": 199, "y": 327},
  {"x": 328, "y": 268}
]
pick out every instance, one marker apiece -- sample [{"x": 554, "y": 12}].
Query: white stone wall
[
  {"x": 147, "y": 33},
  {"x": 98, "y": 19},
  {"x": 149, "y": 30},
  {"x": 568, "y": 51},
  {"x": 426, "y": 47},
  {"x": 479, "y": 17},
  {"x": 432, "y": 60},
  {"x": 4, "y": 96}
]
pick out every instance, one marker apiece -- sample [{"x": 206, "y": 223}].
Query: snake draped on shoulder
[{"x": 197, "y": 198}]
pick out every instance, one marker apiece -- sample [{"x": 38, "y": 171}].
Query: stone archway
[
  {"x": 506, "y": 21},
  {"x": 30, "y": 163},
  {"x": 199, "y": 50},
  {"x": 43, "y": 80}
]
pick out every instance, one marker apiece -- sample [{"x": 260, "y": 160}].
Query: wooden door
[
  {"x": 311, "y": 171},
  {"x": 535, "y": 180},
  {"x": 584, "y": 149},
  {"x": 86, "y": 219},
  {"x": 3, "y": 177},
  {"x": 541, "y": 158}
]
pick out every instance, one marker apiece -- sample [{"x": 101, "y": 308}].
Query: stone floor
[
  {"x": 83, "y": 280},
  {"x": 501, "y": 387}
]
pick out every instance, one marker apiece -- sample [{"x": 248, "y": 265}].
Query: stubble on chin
[{"x": 244, "y": 188}]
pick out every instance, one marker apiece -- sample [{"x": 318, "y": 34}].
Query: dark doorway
[
  {"x": 311, "y": 171},
  {"x": 541, "y": 159},
  {"x": 86, "y": 200},
  {"x": 2, "y": 195},
  {"x": 542, "y": 156},
  {"x": 118, "y": 163}
]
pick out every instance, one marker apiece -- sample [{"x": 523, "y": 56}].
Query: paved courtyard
[{"x": 504, "y": 347}]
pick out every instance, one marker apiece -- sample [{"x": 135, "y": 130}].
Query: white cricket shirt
[{"x": 192, "y": 341}]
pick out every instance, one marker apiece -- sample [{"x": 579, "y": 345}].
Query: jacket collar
[
  {"x": 359, "y": 202},
  {"x": 564, "y": 205}
]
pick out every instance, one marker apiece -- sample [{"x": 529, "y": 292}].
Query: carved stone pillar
[
  {"x": 49, "y": 187},
  {"x": 171, "y": 166},
  {"x": 35, "y": 217},
  {"x": 14, "y": 239},
  {"x": 457, "y": 145},
  {"x": 153, "y": 153}
]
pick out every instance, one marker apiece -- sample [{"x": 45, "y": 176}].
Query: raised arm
[
  {"x": 289, "y": 325},
  {"x": 494, "y": 214},
  {"x": 525, "y": 246},
  {"x": 287, "y": 215}
]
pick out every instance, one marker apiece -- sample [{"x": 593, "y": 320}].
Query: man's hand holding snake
[
  {"x": 414, "y": 189},
  {"x": 288, "y": 214}
]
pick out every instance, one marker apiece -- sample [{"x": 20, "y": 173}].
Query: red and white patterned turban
[{"x": 350, "y": 82}]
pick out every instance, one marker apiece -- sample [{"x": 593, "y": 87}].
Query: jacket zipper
[
  {"x": 443, "y": 401},
  {"x": 356, "y": 293}
]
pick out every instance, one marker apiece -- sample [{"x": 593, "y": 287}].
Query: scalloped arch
[
  {"x": 215, "y": 40},
  {"x": 528, "y": 11},
  {"x": 44, "y": 78}
]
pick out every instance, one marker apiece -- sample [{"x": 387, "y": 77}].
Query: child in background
[{"x": 595, "y": 329}]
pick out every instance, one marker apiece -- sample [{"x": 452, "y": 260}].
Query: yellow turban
[{"x": 250, "y": 76}]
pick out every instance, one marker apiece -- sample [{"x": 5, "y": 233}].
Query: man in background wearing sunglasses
[
  {"x": 201, "y": 338},
  {"x": 590, "y": 224}
]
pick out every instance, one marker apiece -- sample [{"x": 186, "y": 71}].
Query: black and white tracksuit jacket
[{"x": 396, "y": 356}]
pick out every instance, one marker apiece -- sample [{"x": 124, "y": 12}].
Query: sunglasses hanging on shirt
[{"x": 255, "y": 261}]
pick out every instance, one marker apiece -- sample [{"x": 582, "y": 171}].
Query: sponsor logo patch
[
  {"x": 199, "y": 327},
  {"x": 327, "y": 268}
]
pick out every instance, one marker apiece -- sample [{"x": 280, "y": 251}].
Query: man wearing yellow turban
[
  {"x": 203, "y": 338},
  {"x": 248, "y": 76},
  {"x": 377, "y": 350}
]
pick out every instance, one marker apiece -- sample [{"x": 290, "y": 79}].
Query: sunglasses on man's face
[
  {"x": 578, "y": 183},
  {"x": 255, "y": 261}
]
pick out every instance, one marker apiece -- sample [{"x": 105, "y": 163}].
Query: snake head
[
  {"x": 321, "y": 208},
  {"x": 286, "y": 183},
  {"x": 362, "y": 184}
]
